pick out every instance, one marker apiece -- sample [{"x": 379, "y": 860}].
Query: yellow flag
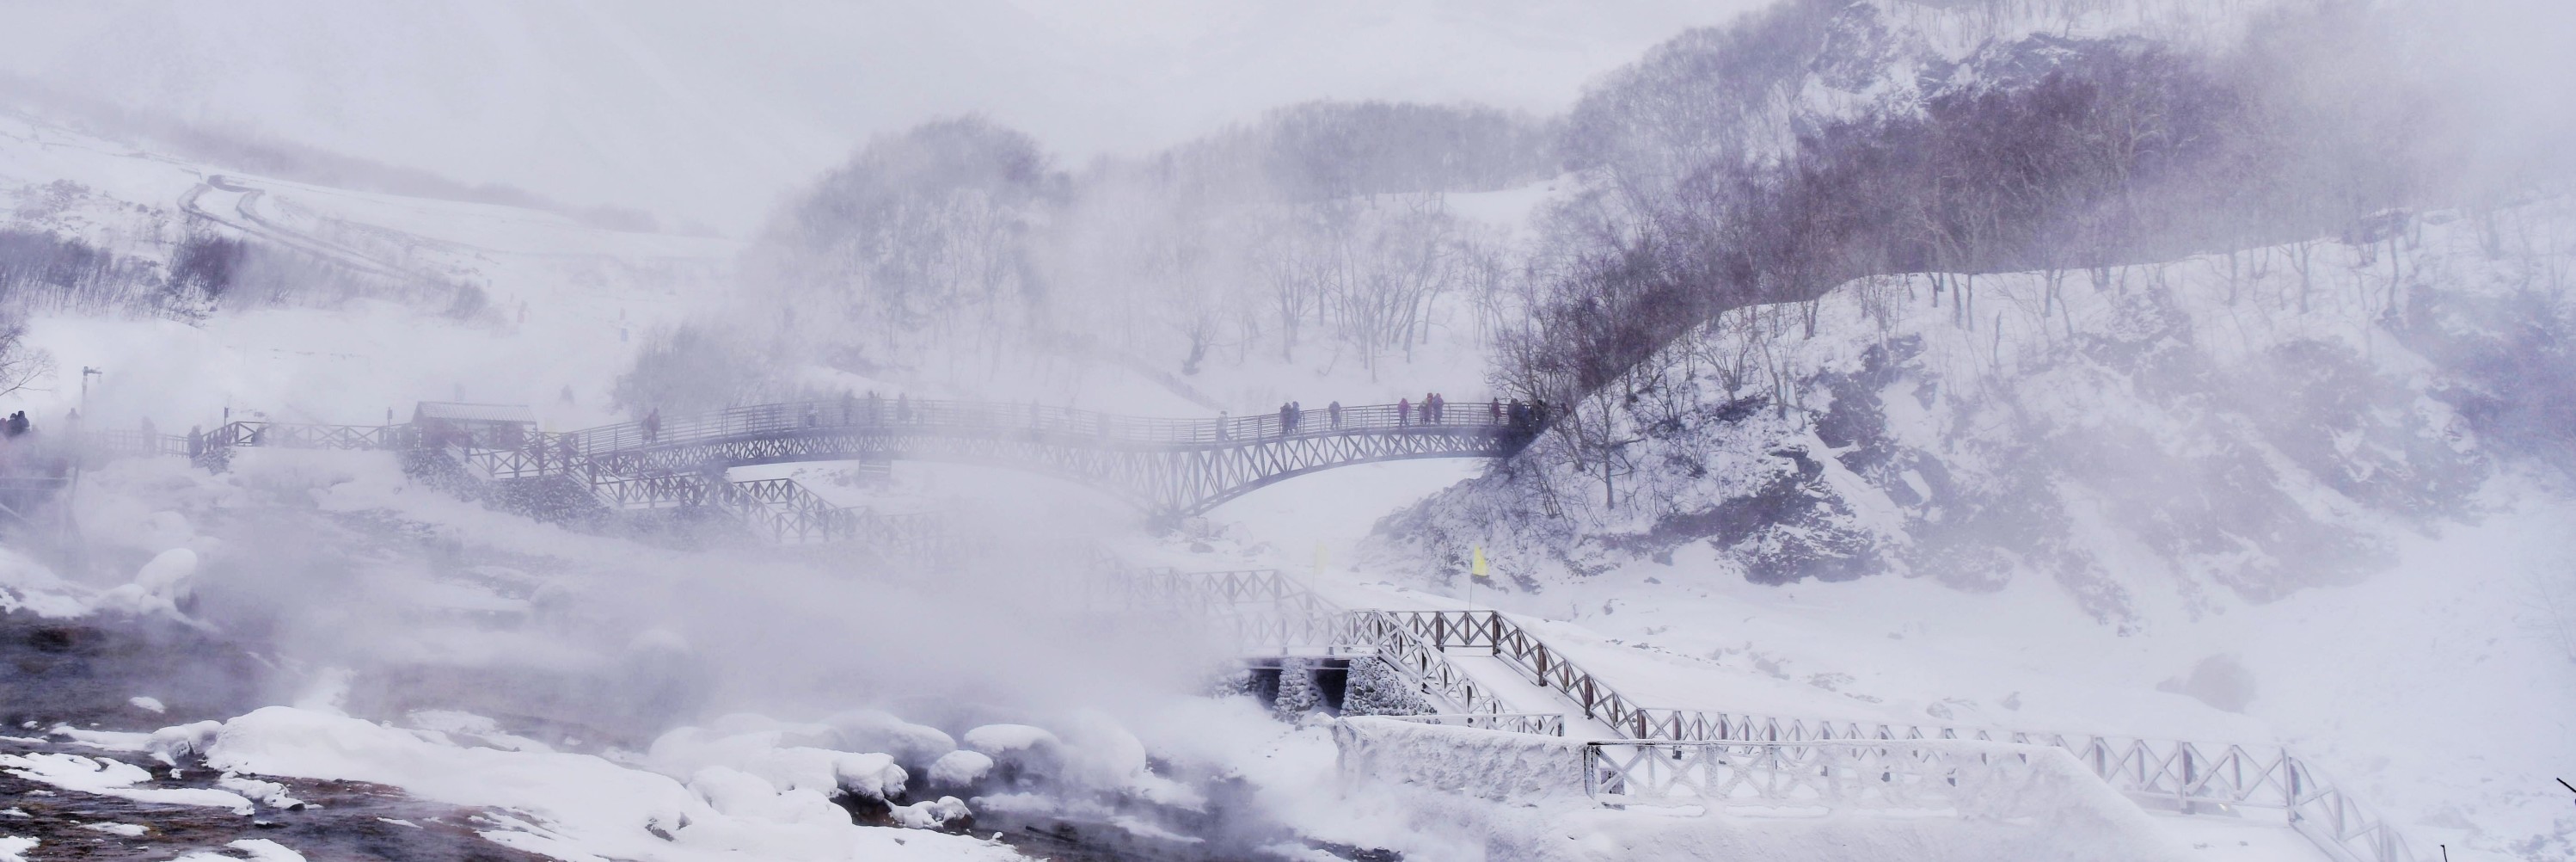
[{"x": 1478, "y": 568}]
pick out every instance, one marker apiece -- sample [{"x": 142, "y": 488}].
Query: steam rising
[{"x": 1714, "y": 259}]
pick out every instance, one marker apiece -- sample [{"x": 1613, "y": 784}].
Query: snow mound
[
  {"x": 934, "y": 814},
  {"x": 785, "y": 768},
  {"x": 960, "y": 768},
  {"x": 749, "y": 796},
  {"x": 269, "y": 793},
  {"x": 168, "y": 572},
  {"x": 172, "y": 744},
  {"x": 1004, "y": 739},
  {"x": 912, "y": 745},
  {"x": 27, "y": 584}
]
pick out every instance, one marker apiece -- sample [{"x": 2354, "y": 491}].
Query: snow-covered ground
[
  {"x": 603, "y": 698},
  {"x": 2431, "y": 674}
]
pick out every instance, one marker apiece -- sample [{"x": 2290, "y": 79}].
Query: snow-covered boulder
[
  {"x": 691, "y": 750},
  {"x": 959, "y": 769},
  {"x": 942, "y": 813},
  {"x": 913, "y": 745}
]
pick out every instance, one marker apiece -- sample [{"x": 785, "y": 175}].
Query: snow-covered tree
[
  {"x": 1376, "y": 688},
  {"x": 1298, "y": 694}
]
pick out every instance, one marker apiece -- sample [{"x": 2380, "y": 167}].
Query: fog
[
  {"x": 708, "y": 115},
  {"x": 2100, "y": 365}
]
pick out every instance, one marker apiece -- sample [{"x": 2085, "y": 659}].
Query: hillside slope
[{"x": 2145, "y": 436}]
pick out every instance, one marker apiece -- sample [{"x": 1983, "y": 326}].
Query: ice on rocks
[
  {"x": 167, "y": 574},
  {"x": 269, "y": 793},
  {"x": 27, "y": 584},
  {"x": 912, "y": 745},
  {"x": 960, "y": 768},
  {"x": 743, "y": 794},
  {"x": 761, "y": 753},
  {"x": 252, "y": 849},
  {"x": 1099, "y": 752},
  {"x": 933, "y": 814},
  {"x": 108, "y": 777},
  {"x": 1002, "y": 739},
  {"x": 175, "y": 743},
  {"x": 578, "y": 806}
]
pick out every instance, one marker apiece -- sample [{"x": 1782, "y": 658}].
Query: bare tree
[{"x": 22, "y": 366}]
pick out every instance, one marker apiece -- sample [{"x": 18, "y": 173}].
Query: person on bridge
[
  {"x": 1287, "y": 418},
  {"x": 1334, "y": 410},
  {"x": 196, "y": 441},
  {"x": 1403, "y": 411},
  {"x": 1496, "y": 412},
  {"x": 652, "y": 424},
  {"x": 1220, "y": 425}
]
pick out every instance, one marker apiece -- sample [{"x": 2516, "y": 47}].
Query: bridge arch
[{"x": 1172, "y": 468}]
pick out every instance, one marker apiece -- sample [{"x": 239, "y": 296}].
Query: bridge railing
[
  {"x": 1541, "y": 723},
  {"x": 128, "y": 442},
  {"x": 1421, "y": 661},
  {"x": 1223, "y": 591},
  {"x": 986, "y": 417},
  {"x": 793, "y": 515},
  {"x": 301, "y": 435},
  {"x": 1269, "y": 610},
  {"x": 1525, "y": 652},
  {"x": 1835, "y": 775},
  {"x": 2176, "y": 775},
  {"x": 2186, "y": 777},
  {"x": 543, "y": 452}
]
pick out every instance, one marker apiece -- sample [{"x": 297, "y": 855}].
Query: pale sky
[{"x": 713, "y": 110}]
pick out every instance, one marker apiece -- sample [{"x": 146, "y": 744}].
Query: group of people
[
  {"x": 1427, "y": 411},
  {"x": 1292, "y": 413},
  {"x": 1433, "y": 409}
]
